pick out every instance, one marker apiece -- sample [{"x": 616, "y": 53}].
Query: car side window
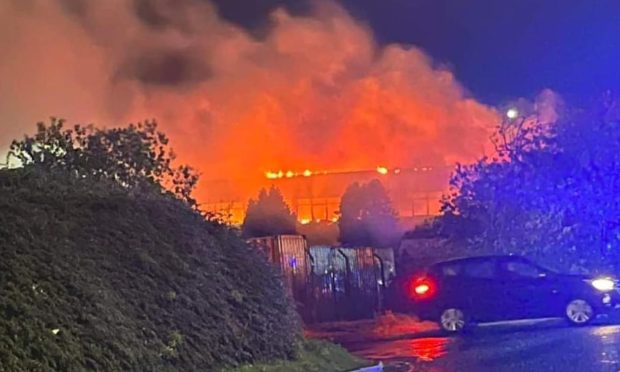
[
  {"x": 520, "y": 269},
  {"x": 480, "y": 269}
]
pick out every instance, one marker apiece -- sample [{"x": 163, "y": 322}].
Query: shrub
[{"x": 94, "y": 277}]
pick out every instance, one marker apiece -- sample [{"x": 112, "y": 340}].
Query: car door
[
  {"x": 484, "y": 292},
  {"x": 527, "y": 288}
]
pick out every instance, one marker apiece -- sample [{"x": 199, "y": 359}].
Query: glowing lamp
[
  {"x": 307, "y": 173},
  {"x": 512, "y": 113},
  {"x": 382, "y": 170}
]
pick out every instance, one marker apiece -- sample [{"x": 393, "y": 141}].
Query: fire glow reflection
[{"x": 423, "y": 349}]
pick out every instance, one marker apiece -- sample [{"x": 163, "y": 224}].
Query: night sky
[{"x": 499, "y": 49}]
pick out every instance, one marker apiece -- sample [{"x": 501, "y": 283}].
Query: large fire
[
  {"x": 314, "y": 195},
  {"x": 314, "y": 93}
]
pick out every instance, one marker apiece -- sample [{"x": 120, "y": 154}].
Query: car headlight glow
[{"x": 603, "y": 284}]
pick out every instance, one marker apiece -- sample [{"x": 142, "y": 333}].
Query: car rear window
[{"x": 484, "y": 269}]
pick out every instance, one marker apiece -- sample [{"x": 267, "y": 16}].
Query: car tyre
[
  {"x": 579, "y": 312},
  {"x": 453, "y": 320}
]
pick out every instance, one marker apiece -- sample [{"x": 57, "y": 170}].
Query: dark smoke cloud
[
  {"x": 314, "y": 91},
  {"x": 165, "y": 68}
]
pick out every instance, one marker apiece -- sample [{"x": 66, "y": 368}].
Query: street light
[{"x": 512, "y": 113}]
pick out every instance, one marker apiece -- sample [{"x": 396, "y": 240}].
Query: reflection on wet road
[
  {"x": 531, "y": 346},
  {"x": 423, "y": 349}
]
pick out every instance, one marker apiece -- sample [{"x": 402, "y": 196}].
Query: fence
[
  {"x": 330, "y": 283},
  {"x": 347, "y": 283}
]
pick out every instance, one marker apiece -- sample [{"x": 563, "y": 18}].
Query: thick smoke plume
[{"x": 315, "y": 92}]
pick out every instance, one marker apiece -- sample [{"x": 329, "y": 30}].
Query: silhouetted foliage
[
  {"x": 136, "y": 156},
  {"x": 367, "y": 217},
  {"x": 552, "y": 193},
  {"x": 93, "y": 277},
  {"x": 268, "y": 215},
  {"x": 430, "y": 229}
]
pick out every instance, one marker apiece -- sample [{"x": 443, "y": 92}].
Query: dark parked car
[{"x": 466, "y": 291}]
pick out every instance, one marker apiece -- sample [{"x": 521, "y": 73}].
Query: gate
[
  {"x": 330, "y": 283},
  {"x": 347, "y": 283}
]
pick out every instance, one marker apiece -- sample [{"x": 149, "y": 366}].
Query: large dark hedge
[{"x": 92, "y": 277}]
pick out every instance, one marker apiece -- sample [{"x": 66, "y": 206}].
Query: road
[{"x": 547, "y": 345}]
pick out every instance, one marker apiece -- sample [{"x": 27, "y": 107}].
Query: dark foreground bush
[{"x": 94, "y": 278}]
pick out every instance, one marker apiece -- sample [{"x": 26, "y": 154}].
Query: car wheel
[
  {"x": 452, "y": 320},
  {"x": 579, "y": 312}
]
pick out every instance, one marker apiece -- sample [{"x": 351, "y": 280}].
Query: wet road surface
[{"x": 547, "y": 345}]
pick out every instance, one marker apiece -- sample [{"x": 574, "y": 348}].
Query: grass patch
[{"x": 315, "y": 355}]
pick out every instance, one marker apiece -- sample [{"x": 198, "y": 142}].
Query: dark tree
[
  {"x": 268, "y": 215},
  {"x": 367, "y": 217},
  {"x": 136, "y": 157},
  {"x": 552, "y": 193}
]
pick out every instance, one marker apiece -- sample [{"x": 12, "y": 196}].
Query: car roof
[{"x": 477, "y": 258}]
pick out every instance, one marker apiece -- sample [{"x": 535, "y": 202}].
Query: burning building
[{"x": 315, "y": 195}]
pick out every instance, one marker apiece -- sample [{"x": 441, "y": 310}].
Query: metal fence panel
[{"x": 330, "y": 283}]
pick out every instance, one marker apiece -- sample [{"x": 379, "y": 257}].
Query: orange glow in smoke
[
  {"x": 270, "y": 175},
  {"x": 315, "y": 93}
]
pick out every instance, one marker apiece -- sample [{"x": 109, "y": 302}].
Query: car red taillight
[{"x": 422, "y": 287}]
